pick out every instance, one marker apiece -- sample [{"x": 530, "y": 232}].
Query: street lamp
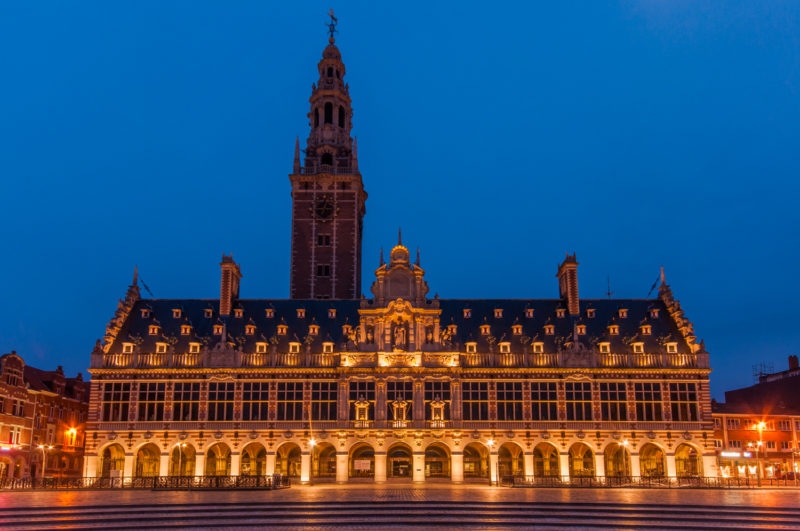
[
  {"x": 761, "y": 426},
  {"x": 490, "y": 444},
  {"x": 44, "y": 449},
  {"x": 180, "y": 447}
]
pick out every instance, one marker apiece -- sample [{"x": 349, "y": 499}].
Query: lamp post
[
  {"x": 181, "y": 446},
  {"x": 760, "y": 426},
  {"x": 490, "y": 443},
  {"x": 44, "y": 449}
]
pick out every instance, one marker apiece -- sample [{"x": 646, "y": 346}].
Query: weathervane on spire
[{"x": 332, "y": 25}]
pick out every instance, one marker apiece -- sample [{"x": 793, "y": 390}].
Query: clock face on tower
[{"x": 324, "y": 208}]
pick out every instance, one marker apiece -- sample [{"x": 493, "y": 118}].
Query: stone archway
[
  {"x": 182, "y": 460},
  {"x": 323, "y": 463},
  {"x": 476, "y": 461},
  {"x": 253, "y": 461},
  {"x": 112, "y": 461},
  {"x": 510, "y": 460},
  {"x": 399, "y": 462},
  {"x": 652, "y": 461},
  {"x": 581, "y": 461},
  {"x": 437, "y": 461},
  {"x": 362, "y": 461},
  {"x": 218, "y": 460},
  {"x": 688, "y": 461},
  {"x": 148, "y": 459},
  {"x": 546, "y": 461},
  {"x": 288, "y": 460},
  {"x": 617, "y": 460}
]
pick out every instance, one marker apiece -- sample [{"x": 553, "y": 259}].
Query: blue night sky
[{"x": 499, "y": 136}]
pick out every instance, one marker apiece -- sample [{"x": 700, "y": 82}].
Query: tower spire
[
  {"x": 417, "y": 263},
  {"x": 296, "y": 164},
  {"x": 399, "y": 236},
  {"x": 135, "y": 281},
  {"x": 382, "y": 262}
]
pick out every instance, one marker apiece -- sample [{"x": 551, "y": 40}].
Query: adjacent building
[{"x": 398, "y": 386}]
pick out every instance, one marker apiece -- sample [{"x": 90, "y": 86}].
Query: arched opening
[
  {"x": 182, "y": 460},
  {"x": 581, "y": 461},
  {"x": 651, "y": 461},
  {"x": 341, "y": 116},
  {"x": 329, "y": 113},
  {"x": 362, "y": 462},
  {"x": 338, "y": 76},
  {"x": 510, "y": 460},
  {"x": 323, "y": 462},
  {"x": 218, "y": 460},
  {"x": 19, "y": 464},
  {"x": 545, "y": 461},
  {"x": 288, "y": 460},
  {"x": 330, "y": 71},
  {"x": 316, "y": 117},
  {"x": 476, "y": 461},
  {"x": 618, "y": 461},
  {"x": 327, "y": 159},
  {"x": 112, "y": 461},
  {"x": 399, "y": 462},
  {"x": 437, "y": 461},
  {"x": 147, "y": 461},
  {"x": 5, "y": 467},
  {"x": 687, "y": 461},
  {"x": 253, "y": 461}
]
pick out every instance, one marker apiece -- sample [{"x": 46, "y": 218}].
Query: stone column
[
  {"x": 342, "y": 467},
  {"x": 599, "y": 465},
  {"x": 200, "y": 464},
  {"x": 163, "y": 466},
  {"x": 90, "y": 466},
  {"x": 236, "y": 460},
  {"x": 636, "y": 466},
  {"x": 528, "y": 463},
  {"x": 672, "y": 469},
  {"x": 457, "y": 467},
  {"x": 380, "y": 467},
  {"x": 305, "y": 467},
  {"x": 563, "y": 461},
  {"x": 270, "y": 465},
  {"x": 127, "y": 469},
  {"x": 493, "y": 466},
  {"x": 418, "y": 464}
]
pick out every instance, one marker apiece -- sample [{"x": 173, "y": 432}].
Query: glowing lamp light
[
  {"x": 72, "y": 431},
  {"x": 625, "y": 442},
  {"x": 490, "y": 442},
  {"x": 762, "y": 425},
  {"x": 313, "y": 442}
]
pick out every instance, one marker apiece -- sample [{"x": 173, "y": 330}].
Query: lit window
[
  {"x": 505, "y": 348},
  {"x": 529, "y": 313},
  {"x": 238, "y": 313},
  {"x": 467, "y": 313},
  {"x": 313, "y": 330},
  {"x": 176, "y": 313},
  {"x": 485, "y": 329},
  {"x": 145, "y": 313},
  {"x": 161, "y": 348},
  {"x": 332, "y": 313},
  {"x": 581, "y": 330},
  {"x": 538, "y": 348},
  {"x": 498, "y": 313},
  {"x": 153, "y": 329},
  {"x": 605, "y": 348},
  {"x": 654, "y": 313},
  {"x": 347, "y": 330},
  {"x": 294, "y": 348},
  {"x": 471, "y": 348},
  {"x": 647, "y": 330},
  {"x": 590, "y": 313},
  {"x": 208, "y": 313},
  {"x": 560, "y": 313},
  {"x": 672, "y": 348},
  {"x": 638, "y": 348},
  {"x": 516, "y": 330},
  {"x": 194, "y": 348},
  {"x": 549, "y": 330},
  {"x": 249, "y": 330},
  {"x": 323, "y": 270},
  {"x": 127, "y": 348},
  {"x": 452, "y": 329},
  {"x": 261, "y": 348},
  {"x": 186, "y": 330},
  {"x": 217, "y": 330},
  {"x": 613, "y": 330},
  {"x": 623, "y": 313},
  {"x": 270, "y": 313},
  {"x": 301, "y": 313},
  {"x": 327, "y": 348},
  {"x": 282, "y": 329}
]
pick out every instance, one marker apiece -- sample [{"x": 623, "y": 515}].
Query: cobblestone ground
[{"x": 408, "y": 492}]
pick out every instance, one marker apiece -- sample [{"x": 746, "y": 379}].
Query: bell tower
[{"x": 328, "y": 197}]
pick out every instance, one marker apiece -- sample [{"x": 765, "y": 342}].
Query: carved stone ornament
[
  {"x": 509, "y": 435},
  {"x": 687, "y": 436},
  {"x": 288, "y": 435},
  {"x": 577, "y": 355},
  {"x": 545, "y": 435},
  {"x": 253, "y": 435},
  {"x": 183, "y": 435},
  {"x": 580, "y": 435},
  {"x": 112, "y": 436},
  {"x": 218, "y": 435},
  {"x": 651, "y": 435},
  {"x": 147, "y": 435},
  {"x": 476, "y": 435},
  {"x": 615, "y": 435}
]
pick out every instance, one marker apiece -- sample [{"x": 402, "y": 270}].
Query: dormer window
[
  {"x": 327, "y": 348},
  {"x": 498, "y": 313},
  {"x": 217, "y": 330},
  {"x": 294, "y": 348},
  {"x": 638, "y": 348},
  {"x": 452, "y": 329},
  {"x": 153, "y": 330},
  {"x": 313, "y": 330},
  {"x": 238, "y": 313},
  {"x": 161, "y": 348},
  {"x": 647, "y": 330},
  {"x": 472, "y": 348},
  {"x": 282, "y": 329},
  {"x": 672, "y": 348},
  {"x": 516, "y": 330},
  {"x": 654, "y": 313},
  {"x": 186, "y": 330},
  {"x": 605, "y": 348},
  {"x": 505, "y": 347},
  {"x": 176, "y": 313},
  {"x": 127, "y": 348},
  {"x": 301, "y": 313},
  {"x": 194, "y": 348},
  {"x": 560, "y": 313},
  {"x": 623, "y": 313},
  {"x": 528, "y": 313},
  {"x": 208, "y": 313},
  {"x": 145, "y": 313},
  {"x": 261, "y": 348},
  {"x": 467, "y": 313},
  {"x": 538, "y": 347},
  {"x": 249, "y": 330},
  {"x": 270, "y": 313},
  {"x": 590, "y": 313},
  {"x": 485, "y": 330},
  {"x": 581, "y": 330},
  {"x": 549, "y": 330},
  {"x": 332, "y": 313},
  {"x": 613, "y": 330},
  {"x": 347, "y": 330}
]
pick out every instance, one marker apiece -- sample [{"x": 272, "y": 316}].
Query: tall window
[
  {"x": 220, "y": 401},
  {"x": 151, "y": 401},
  {"x": 613, "y": 401},
  {"x": 116, "y": 399},
  {"x": 648, "y": 401},
  {"x": 18, "y": 408},
  {"x": 579, "y": 400},
  {"x": 255, "y": 401},
  {"x": 475, "y": 400},
  {"x": 437, "y": 389},
  {"x": 362, "y": 389},
  {"x": 399, "y": 390},
  {"x": 683, "y": 397},
  {"x": 324, "y": 398},
  {"x": 544, "y": 401},
  {"x": 329, "y": 113},
  {"x": 509, "y": 400},
  {"x": 185, "y": 401},
  {"x": 341, "y": 116},
  {"x": 290, "y": 401},
  {"x": 316, "y": 117}
]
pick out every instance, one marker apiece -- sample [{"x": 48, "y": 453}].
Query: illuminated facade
[
  {"x": 398, "y": 386},
  {"x": 42, "y": 415}
]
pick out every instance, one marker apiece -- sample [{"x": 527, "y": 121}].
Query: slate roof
[{"x": 136, "y": 327}]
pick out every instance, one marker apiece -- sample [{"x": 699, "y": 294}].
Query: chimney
[
  {"x": 568, "y": 283},
  {"x": 229, "y": 285},
  {"x": 793, "y": 363}
]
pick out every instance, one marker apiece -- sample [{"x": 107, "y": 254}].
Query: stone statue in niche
[
  {"x": 429, "y": 334},
  {"x": 370, "y": 334},
  {"x": 399, "y": 337}
]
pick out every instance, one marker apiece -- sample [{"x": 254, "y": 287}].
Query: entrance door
[{"x": 400, "y": 463}]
